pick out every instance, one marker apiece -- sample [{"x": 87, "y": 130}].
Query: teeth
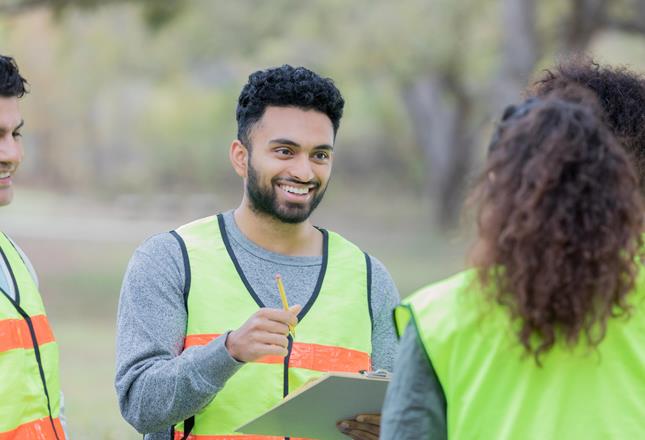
[
  {"x": 294, "y": 190},
  {"x": 5, "y": 175}
]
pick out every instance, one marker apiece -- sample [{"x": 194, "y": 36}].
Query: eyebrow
[
  {"x": 18, "y": 127},
  {"x": 289, "y": 142}
]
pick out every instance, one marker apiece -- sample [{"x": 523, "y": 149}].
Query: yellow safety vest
[
  {"x": 494, "y": 391},
  {"x": 333, "y": 334},
  {"x": 29, "y": 387}
]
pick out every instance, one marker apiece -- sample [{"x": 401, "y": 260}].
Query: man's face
[
  {"x": 290, "y": 162},
  {"x": 10, "y": 146}
]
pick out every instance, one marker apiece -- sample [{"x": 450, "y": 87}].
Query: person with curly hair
[
  {"x": 543, "y": 336},
  {"x": 204, "y": 343},
  {"x": 31, "y": 403},
  {"x": 620, "y": 92}
]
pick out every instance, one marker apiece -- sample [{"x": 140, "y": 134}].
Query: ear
[{"x": 239, "y": 157}]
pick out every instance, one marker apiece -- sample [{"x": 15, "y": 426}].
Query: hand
[
  {"x": 263, "y": 334},
  {"x": 361, "y": 427}
]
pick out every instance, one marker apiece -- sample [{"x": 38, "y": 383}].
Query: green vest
[
  {"x": 29, "y": 387},
  {"x": 333, "y": 334},
  {"x": 495, "y": 391}
]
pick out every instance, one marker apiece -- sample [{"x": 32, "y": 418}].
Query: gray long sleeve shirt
[{"x": 157, "y": 384}]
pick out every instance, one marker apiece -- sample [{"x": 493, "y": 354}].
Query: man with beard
[{"x": 204, "y": 344}]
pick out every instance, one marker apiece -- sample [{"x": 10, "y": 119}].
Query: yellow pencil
[{"x": 285, "y": 303}]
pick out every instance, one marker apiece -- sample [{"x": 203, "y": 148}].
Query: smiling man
[
  {"x": 30, "y": 398},
  {"x": 203, "y": 341}
]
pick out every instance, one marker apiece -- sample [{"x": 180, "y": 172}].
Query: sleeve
[
  {"x": 415, "y": 405},
  {"x": 383, "y": 299},
  {"x": 61, "y": 415},
  {"x": 158, "y": 384}
]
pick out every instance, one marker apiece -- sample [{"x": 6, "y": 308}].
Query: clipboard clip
[{"x": 377, "y": 373}]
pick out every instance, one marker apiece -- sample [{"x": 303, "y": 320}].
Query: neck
[{"x": 293, "y": 239}]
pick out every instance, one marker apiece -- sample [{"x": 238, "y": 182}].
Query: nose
[
  {"x": 301, "y": 169},
  {"x": 10, "y": 150}
]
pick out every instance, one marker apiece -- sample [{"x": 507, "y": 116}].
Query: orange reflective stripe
[
  {"x": 180, "y": 435},
  {"x": 14, "y": 333},
  {"x": 308, "y": 356},
  {"x": 40, "y": 429},
  {"x": 192, "y": 340},
  {"x": 328, "y": 358}
]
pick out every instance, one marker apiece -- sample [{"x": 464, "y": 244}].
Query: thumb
[{"x": 295, "y": 309}]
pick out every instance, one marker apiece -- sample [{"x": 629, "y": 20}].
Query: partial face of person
[
  {"x": 10, "y": 146},
  {"x": 290, "y": 162}
]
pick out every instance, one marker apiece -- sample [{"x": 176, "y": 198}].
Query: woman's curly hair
[
  {"x": 560, "y": 218},
  {"x": 620, "y": 92}
]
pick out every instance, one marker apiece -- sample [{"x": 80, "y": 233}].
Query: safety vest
[
  {"x": 333, "y": 333},
  {"x": 29, "y": 387},
  {"x": 495, "y": 391}
]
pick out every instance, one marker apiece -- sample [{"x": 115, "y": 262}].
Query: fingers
[
  {"x": 352, "y": 425},
  {"x": 271, "y": 350},
  {"x": 295, "y": 309},
  {"x": 288, "y": 317},
  {"x": 358, "y": 431},
  {"x": 373, "y": 419},
  {"x": 361, "y": 435},
  {"x": 363, "y": 427},
  {"x": 273, "y": 327},
  {"x": 272, "y": 339}
]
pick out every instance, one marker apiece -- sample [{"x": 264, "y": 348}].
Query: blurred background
[{"x": 132, "y": 110}]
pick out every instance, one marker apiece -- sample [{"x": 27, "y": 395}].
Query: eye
[
  {"x": 321, "y": 155},
  {"x": 16, "y": 134},
  {"x": 283, "y": 151}
]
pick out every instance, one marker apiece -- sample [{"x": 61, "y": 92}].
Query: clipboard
[{"x": 313, "y": 410}]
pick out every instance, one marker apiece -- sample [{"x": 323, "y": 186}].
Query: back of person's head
[
  {"x": 559, "y": 219},
  {"x": 12, "y": 84},
  {"x": 286, "y": 86},
  {"x": 620, "y": 92}
]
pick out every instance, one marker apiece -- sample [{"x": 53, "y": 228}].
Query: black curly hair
[
  {"x": 620, "y": 92},
  {"x": 11, "y": 83},
  {"x": 286, "y": 86}
]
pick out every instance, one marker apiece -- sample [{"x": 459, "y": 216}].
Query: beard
[{"x": 264, "y": 200}]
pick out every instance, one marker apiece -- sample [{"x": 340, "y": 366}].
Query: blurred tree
[
  {"x": 156, "y": 12},
  {"x": 424, "y": 76}
]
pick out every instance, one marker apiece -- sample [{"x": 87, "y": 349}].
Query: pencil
[{"x": 285, "y": 303}]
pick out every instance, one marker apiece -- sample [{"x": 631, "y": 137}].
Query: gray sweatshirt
[{"x": 157, "y": 384}]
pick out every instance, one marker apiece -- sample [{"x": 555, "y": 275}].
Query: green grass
[{"x": 87, "y": 377}]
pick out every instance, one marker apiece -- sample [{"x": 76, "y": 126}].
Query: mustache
[{"x": 315, "y": 182}]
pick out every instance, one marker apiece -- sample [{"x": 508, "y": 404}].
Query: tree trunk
[
  {"x": 520, "y": 51},
  {"x": 440, "y": 111},
  {"x": 585, "y": 19}
]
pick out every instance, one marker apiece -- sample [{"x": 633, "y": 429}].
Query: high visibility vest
[
  {"x": 29, "y": 387},
  {"x": 495, "y": 391},
  {"x": 333, "y": 333}
]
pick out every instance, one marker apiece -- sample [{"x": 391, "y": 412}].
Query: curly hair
[
  {"x": 620, "y": 92},
  {"x": 286, "y": 86},
  {"x": 11, "y": 83},
  {"x": 560, "y": 218}
]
